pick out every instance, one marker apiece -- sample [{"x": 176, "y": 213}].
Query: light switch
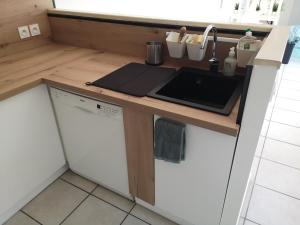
[
  {"x": 24, "y": 32},
  {"x": 34, "y": 29}
]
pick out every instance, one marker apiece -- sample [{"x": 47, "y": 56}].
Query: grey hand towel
[{"x": 169, "y": 140}]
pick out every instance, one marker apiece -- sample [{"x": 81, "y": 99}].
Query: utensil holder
[
  {"x": 176, "y": 49},
  {"x": 195, "y": 50}
]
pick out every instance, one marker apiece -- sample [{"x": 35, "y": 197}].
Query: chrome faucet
[{"x": 213, "y": 62}]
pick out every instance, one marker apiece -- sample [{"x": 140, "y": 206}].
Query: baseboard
[{"x": 20, "y": 204}]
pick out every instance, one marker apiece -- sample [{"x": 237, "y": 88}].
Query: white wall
[
  {"x": 290, "y": 14},
  {"x": 295, "y": 14}
]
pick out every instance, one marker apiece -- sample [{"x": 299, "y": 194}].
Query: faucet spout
[{"x": 214, "y": 62}]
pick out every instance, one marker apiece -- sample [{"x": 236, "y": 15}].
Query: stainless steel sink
[{"x": 200, "y": 89}]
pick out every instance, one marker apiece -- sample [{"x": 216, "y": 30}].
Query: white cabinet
[
  {"x": 193, "y": 192},
  {"x": 31, "y": 154}
]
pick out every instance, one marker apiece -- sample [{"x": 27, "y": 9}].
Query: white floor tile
[
  {"x": 79, "y": 181},
  {"x": 289, "y": 93},
  {"x": 95, "y": 212},
  {"x": 279, "y": 177},
  {"x": 113, "y": 198},
  {"x": 248, "y": 222},
  {"x": 284, "y": 133},
  {"x": 149, "y": 216},
  {"x": 20, "y": 219},
  {"x": 131, "y": 220},
  {"x": 289, "y": 74},
  {"x": 55, "y": 203},
  {"x": 260, "y": 146},
  {"x": 271, "y": 208},
  {"x": 288, "y": 104},
  {"x": 264, "y": 128},
  {"x": 290, "y": 84},
  {"x": 286, "y": 117},
  {"x": 292, "y": 69},
  {"x": 282, "y": 152}
]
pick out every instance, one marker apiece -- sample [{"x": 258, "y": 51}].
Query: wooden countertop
[{"x": 69, "y": 67}]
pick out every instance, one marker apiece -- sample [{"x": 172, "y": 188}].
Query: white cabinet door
[
  {"x": 30, "y": 148},
  {"x": 194, "y": 190}
]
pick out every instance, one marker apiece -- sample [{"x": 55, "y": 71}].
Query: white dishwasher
[{"x": 93, "y": 138}]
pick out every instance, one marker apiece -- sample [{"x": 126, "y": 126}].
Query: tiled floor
[
  {"x": 273, "y": 195},
  {"x": 73, "y": 200}
]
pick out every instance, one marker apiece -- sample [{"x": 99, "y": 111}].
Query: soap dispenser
[{"x": 230, "y": 63}]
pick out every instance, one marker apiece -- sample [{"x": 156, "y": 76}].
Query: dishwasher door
[{"x": 93, "y": 138}]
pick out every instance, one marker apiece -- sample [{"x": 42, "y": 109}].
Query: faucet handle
[{"x": 214, "y": 65}]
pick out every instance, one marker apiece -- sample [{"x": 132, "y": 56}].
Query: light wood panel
[
  {"x": 14, "y": 13},
  {"x": 139, "y": 144},
  {"x": 124, "y": 39}
]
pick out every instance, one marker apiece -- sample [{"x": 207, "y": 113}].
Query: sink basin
[{"x": 200, "y": 89}]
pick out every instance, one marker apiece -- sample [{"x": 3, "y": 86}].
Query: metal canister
[{"x": 154, "y": 53}]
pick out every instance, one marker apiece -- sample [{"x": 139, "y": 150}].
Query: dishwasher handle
[{"x": 84, "y": 109}]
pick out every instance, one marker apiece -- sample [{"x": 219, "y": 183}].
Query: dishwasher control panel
[{"x": 86, "y": 104}]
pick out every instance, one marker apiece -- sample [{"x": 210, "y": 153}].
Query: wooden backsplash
[
  {"x": 122, "y": 38},
  {"x": 14, "y": 13}
]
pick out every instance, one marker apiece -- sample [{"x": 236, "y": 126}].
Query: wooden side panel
[
  {"x": 15, "y": 13},
  {"x": 139, "y": 144}
]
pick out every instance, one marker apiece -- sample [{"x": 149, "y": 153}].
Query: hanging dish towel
[{"x": 169, "y": 140}]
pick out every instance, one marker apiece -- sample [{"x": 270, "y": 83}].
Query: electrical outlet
[
  {"x": 24, "y": 32},
  {"x": 34, "y": 29}
]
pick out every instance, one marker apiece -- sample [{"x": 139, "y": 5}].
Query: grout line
[
  {"x": 78, "y": 186},
  {"x": 252, "y": 221},
  {"x": 128, "y": 213},
  {"x": 285, "y": 124},
  {"x": 260, "y": 158},
  {"x": 298, "y": 100},
  {"x": 279, "y": 192},
  {"x": 73, "y": 210},
  {"x": 91, "y": 194},
  {"x": 21, "y": 210},
  {"x": 283, "y": 164},
  {"x": 289, "y": 110},
  {"x": 109, "y": 202},
  {"x": 124, "y": 219},
  {"x": 274, "y": 139},
  {"x": 140, "y": 219}
]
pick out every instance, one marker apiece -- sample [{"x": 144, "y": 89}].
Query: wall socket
[
  {"x": 34, "y": 29},
  {"x": 24, "y": 32}
]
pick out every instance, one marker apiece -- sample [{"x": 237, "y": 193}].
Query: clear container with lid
[{"x": 248, "y": 42}]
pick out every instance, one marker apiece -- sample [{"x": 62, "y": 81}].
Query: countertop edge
[
  {"x": 125, "y": 103},
  {"x": 231, "y": 26},
  {"x": 272, "y": 51}
]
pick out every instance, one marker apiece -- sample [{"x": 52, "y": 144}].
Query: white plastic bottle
[
  {"x": 248, "y": 42},
  {"x": 230, "y": 63}
]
